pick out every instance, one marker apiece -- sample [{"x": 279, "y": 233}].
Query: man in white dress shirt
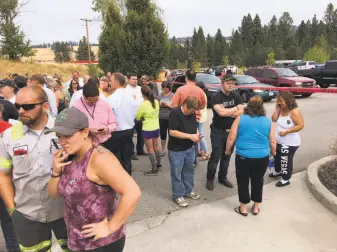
[
  {"x": 76, "y": 76},
  {"x": 135, "y": 91},
  {"x": 125, "y": 109},
  {"x": 38, "y": 80}
]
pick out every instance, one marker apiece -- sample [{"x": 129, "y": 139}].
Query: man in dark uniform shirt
[{"x": 226, "y": 106}]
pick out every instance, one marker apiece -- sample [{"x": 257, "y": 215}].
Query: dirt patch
[{"x": 328, "y": 176}]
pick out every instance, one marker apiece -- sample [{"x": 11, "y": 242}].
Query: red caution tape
[{"x": 294, "y": 89}]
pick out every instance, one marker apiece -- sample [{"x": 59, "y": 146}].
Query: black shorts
[
  {"x": 36, "y": 236},
  {"x": 164, "y": 123}
]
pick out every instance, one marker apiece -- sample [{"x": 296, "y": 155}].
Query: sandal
[
  {"x": 163, "y": 153},
  {"x": 238, "y": 210},
  {"x": 254, "y": 212},
  {"x": 204, "y": 157}
]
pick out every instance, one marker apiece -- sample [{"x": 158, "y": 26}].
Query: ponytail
[
  {"x": 152, "y": 99},
  {"x": 149, "y": 94}
]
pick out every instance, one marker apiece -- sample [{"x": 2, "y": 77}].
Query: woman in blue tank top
[{"x": 254, "y": 135}]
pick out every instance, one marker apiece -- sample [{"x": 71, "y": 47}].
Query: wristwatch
[{"x": 52, "y": 174}]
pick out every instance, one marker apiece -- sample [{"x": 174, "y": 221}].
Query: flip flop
[
  {"x": 254, "y": 212},
  {"x": 238, "y": 210}
]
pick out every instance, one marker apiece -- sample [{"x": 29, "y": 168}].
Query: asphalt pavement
[{"x": 319, "y": 112}]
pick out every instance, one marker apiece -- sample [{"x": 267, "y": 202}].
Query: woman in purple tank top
[{"x": 88, "y": 177}]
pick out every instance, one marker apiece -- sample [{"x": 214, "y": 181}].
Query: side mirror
[{"x": 274, "y": 77}]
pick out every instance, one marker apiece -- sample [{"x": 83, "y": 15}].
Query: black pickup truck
[{"x": 324, "y": 76}]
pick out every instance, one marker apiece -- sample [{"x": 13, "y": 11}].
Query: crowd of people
[{"x": 66, "y": 151}]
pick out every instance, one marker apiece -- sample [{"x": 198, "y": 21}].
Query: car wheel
[
  {"x": 306, "y": 95},
  {"x": 244, "y": 97},
  {"x": 324, "y": 85}
]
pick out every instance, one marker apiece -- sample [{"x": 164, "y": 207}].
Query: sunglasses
[{"x": 27, "y": 107}]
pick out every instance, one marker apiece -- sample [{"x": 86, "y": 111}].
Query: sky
[{"x": 46, "y": 21}]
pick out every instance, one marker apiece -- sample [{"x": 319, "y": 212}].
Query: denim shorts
[{"x": 151, "y": 134}]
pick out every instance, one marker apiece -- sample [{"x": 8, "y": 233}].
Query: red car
[{"x": 281, "y": 77}]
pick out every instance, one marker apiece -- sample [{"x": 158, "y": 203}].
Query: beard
[{"x": 30, "y": 121}]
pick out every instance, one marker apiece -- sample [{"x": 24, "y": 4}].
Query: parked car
[
  {"x": 324, "y": 76},
  {"x": 212, "y": 83},
  {"x": 234, "y": 69},
  {"x": 247, "y": 93},
  {"x": 281, "y": 77}
]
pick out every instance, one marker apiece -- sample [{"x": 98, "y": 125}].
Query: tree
[
  {"x": 112, "y": 41},
  {"x": 61, "y": 51},
  {"x": 173, "y": 54},
  {"x": 237, "y": 51},
  {"x": 225, "y": 61},
  {"x": 82, "y": 50},
  {"x": 317, "y": 54},
  {"x": 13, "y": 42},
  {"x": 258, "y": 32},
  {"x": 188, "y": 51},
  {"x": 146, "y": 44},
  {"x": 271, "y": 59},
  {"x": 210, "y": 50},
  {"x": 314, "y": 30},
  {"x": 219, "y": 48}
]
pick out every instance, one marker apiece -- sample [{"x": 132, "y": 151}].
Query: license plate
[{"x": 271, "y": 93}]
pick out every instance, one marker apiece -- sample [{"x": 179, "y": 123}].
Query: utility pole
[{"x": 87, "y": 28}]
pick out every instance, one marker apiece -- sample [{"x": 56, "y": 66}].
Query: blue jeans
[
  {"x": 203, "y": 143},
  {"x": 8, "y": 228},
  {"x": 182, "y": 172}
]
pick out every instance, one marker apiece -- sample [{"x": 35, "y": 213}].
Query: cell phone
[
  {"x": 278, "y": 106},
  {"x": 201, "y": 136},
  {"x": 70, "y": 157}
]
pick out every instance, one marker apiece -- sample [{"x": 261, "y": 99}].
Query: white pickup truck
[{"x": 306, "y": 65}]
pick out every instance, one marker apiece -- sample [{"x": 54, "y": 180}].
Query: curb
[{"x": 321, "y": 193}]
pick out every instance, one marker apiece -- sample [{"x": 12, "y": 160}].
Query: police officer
[
  {"x": 26, "y": 159},
  {"x": 226, "y": 106}
]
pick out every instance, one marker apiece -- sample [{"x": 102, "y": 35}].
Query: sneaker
[
  {"x": 159, "y": 167},
  {"x": 210, "y": 185},
  {"x": 282, "y": 183},
  {"x": 134, "y": 157},
  {"x": 193, "y": 196},
  {"x": 180, "y": 202},
  {"x": 226, "y": 183},
  {"x": 151, "y": 173},
  {"x": 275, "y": 174}
]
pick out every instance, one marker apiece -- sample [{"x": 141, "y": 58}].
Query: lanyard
[{"x": 93, "y": 111}]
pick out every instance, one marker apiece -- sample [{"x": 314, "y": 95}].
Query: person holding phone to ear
[{"x": 101, "y": 118}]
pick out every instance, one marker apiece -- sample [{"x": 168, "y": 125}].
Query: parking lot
[{"x": 319, "y": 112}]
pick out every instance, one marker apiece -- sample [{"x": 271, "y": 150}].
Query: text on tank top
[{"x": 291, "y": 139}]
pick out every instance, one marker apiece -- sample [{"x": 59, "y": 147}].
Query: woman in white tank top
[{"x": 289, "y": 122}]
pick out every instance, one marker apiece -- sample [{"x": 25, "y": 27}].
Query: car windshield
[
  {"x": 208, "y": 79},
  {"x": 245, "y": 79},
  {"x": 285, "y": 72}
]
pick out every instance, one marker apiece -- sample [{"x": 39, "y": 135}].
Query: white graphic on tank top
[{"x": 229, "y": 103}]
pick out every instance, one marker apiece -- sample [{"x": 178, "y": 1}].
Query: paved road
[{"x": 320, "y": 115}]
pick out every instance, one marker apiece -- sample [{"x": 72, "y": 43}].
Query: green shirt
[{"x": 149, "y": 115}]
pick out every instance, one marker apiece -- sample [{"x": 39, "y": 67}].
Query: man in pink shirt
[{"x": 102, "y": 121}]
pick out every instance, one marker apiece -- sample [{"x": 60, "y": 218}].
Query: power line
[{"x": 87, "y": 29}]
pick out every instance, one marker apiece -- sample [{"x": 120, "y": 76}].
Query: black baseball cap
[
  {"x": 69, "y": 121},
  {"x": 10, "y": 83},
  {"x": 228, "y": 77}
]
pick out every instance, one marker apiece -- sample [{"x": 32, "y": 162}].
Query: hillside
[{"x": 66, "y": 70}]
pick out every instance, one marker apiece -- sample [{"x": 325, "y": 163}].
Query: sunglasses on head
[{"x": 27, "y": 107}]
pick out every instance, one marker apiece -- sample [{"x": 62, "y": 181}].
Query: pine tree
[
  {"x": 112, "y": 41},
  {"x": 82, "y": 51},
  {"x": 210, "y": 50},
  {"x": 61, "y": 51},
  {"x": 202, "y": 47},
  {"x": 173, "y": 54},
  {"x": 314, "y": 30},
  {"x": 219, "y": 48},
  {"x": 146, "y": 47},
  {"x": 188, "y": 51},
  {"x": 237, "y": 51},
  {"x": 258, "y": 32},
  {"x": 13, "y": 42}
]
